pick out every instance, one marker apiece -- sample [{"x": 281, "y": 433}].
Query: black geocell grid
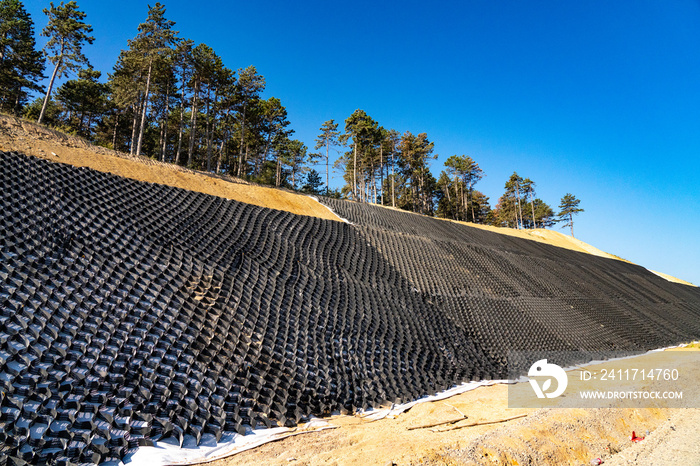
[
  {"x": 131, "y": 312},
  {"x": 512, "y": 294}
]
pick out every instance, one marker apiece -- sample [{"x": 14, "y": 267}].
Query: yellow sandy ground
[{"x": 28, "y": 138}]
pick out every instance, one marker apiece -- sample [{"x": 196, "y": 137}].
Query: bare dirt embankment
[
  {"x": 545, "y": 436},
  {"x": 31, "y": 139},
  {"x": 555, "y": 436}
]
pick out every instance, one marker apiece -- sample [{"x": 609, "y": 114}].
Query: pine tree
[
  {"x": 468, "y": 170},
  {"x": 124, "y": 84},
  {"x": 313, "y": 183},
  {"x": 84, "y": 99},
  {"x": 511, "y": 198},
  {"x": 152, "y": 43},
  {"x": 544, "y": 215},
  {"x": 250, "y": 86},
  {"x": 184, "y": 64},
  {"x": 274, "y": 124},
  {"x": 291, "y": 159},
  {"x": 363, "y": 131},
  {"x": 21, "y": 65},
  {"x": 569, "y": 207},
  {"x": 67, "y": 33},
  {"x": 481, "y": 209},
  {"x": 52, "y": 111},
  {"x": 328, "y": 138},
  {"x": 529, "y": 190},
  {"x": 392, "y": 140},
  {"x": 416, "y": 151}
]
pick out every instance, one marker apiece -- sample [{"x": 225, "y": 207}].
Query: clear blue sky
[{"x": 597, "y": 98}]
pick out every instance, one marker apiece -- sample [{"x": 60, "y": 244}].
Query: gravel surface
[{"x": 673, "y": 443}]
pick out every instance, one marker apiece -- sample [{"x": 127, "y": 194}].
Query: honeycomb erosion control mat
[{"x": 131, "y": 312}]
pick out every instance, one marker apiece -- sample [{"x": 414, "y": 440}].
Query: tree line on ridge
[{"x": 176, "y": 101}]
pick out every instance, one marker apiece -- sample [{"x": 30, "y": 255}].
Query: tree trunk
[
  {"x": 393, "y": 181},
  {"x": 165, "y": 120},
  {"x": 82, "y": 121},
  {"x": 221, "y": 150},
  {"x": 471, "y": 202},
  {"x": 114, "y": 134},
  {"x": 165, "y": 138},
  {"x": 240, "y": 148},
  {"x": 193, "y": 124},
  {"x": 213, "y": 126},
  {"x": 223, "y": 140},
  {"x": 137, "y": 107},
  {"x": 245, "y": 155},
  {"x": 182, "y": 119},
  {"x": 354, "y": 173},
  {"x": 145, "y": 107},
  {"x": 89, "y": 125},
  {"x": 48, "y": 92},
  {"x": 532, "y": 204},
  {"x": 520, "y": 209},
  {"x": 278, "y": 174},
  {"x": 160, "y": 141},
  {"x": 328, "y": 186},
  {"x": 374, "y": 184},
  {"x": 571, "y": 222},
  {"x": 209, "y": 128},
  {"x": 381, "y": 172}
]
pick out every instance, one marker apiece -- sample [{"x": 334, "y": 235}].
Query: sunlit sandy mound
[{"x": 36, "y": 140}]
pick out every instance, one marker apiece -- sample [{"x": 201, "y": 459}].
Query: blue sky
[{"x": 597, "y": 98}]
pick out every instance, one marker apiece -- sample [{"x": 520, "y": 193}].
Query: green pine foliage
[
  {"x": 21, "y": 65},
  {"x": 67, "y": 33},
  {"x": 83, "y": 101},
  {"x": 314, "y": 183},
  {"x": 171, "y": 99},
  {"x": 569, "y": 206}
]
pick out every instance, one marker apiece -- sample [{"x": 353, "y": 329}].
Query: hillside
[
  {"x": 199, "y": 315},
  {"x": 135, "y": 312},
  {"x": 32, "y": 139}
]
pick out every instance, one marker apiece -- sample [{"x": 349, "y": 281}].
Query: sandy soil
[
  {"x": 673, "y": 443},
  {"x": 552, "y": 436},
  {"x": 28, "y": 138}
]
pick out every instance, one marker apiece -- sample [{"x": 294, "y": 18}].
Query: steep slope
[
  {"x": 39, "y": 141},
  {"x": 530, "y": 295},
  {"x": 32, "y": 139},
  {"x": 131, "y": 311}
]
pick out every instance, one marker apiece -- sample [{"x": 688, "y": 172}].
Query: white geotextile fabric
[
  {"x": 395, "y": 410},
  {"x": 171, "y": 454}
]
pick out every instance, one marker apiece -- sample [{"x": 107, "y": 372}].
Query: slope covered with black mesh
[
  {"x": 518, "y": 294},
  {"x": 131, "y": 312}
]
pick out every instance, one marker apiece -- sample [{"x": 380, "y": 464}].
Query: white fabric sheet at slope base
[
  {"x": 395, "y": 410},
  {"x": 171, "y": 454}
]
